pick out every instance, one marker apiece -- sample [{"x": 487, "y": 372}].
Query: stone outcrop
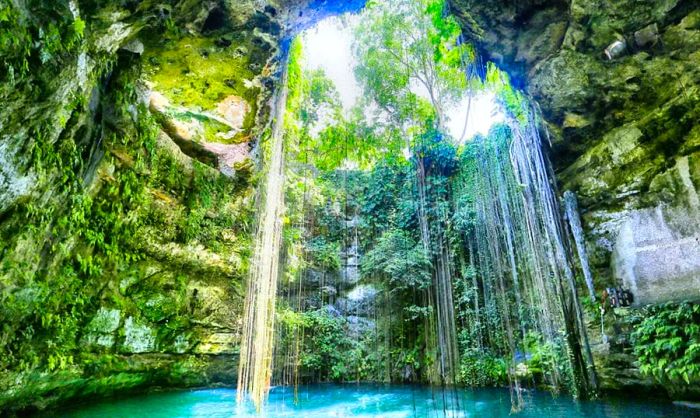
[
  {"x": 657, "y": 255},
  {"x": 623, "y": 125},
  {"x": 121, "y": 251},
  {"x": 618, "y": 85}
]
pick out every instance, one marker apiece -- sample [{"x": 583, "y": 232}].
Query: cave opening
[
  {"x": 349, "y": 208},
  {"x": 418, "y": 196}
]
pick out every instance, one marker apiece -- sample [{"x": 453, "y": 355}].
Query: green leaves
[
  {"x": 78, "y": 27},
  {"x": 482, "y": 368},
  {"x": 325, "y": 344},
  {"x": 410, "y": 61},
  {"x": 667, "y": 343},
  {"x": 324, "y": 254},
  {"x": 401, "y": 259}
]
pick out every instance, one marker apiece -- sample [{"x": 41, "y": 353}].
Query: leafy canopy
[{"x": 409, "y": 61}]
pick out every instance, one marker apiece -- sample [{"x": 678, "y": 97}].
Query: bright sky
[{"x": 328, "y": 46}]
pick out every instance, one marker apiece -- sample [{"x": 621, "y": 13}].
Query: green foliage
[
  {"x": 401, "y": 42},
  {"x": 512, "y": 100},
  {"x": 327, "y": 353},
  {"x": 313, "y": 104},
  {"x": 480, "y": 368},
  {"x": 295, "y": 78},
  {"x": 542, "y": 359},
  {"x": 438, "y": 154},
  {"x": 380, "y": 199},
  {"x": 399, "y": 258},
  {"x": 324, "y": 344},
  {"x": 84, "y": 238},
  {"x": 667, "y": 343},
  {"x": 27, "y": 43},
  {"x": 104, "y": 228},
  {"x": 323, "y": 254},
  {"x": 350, "y": 139}
]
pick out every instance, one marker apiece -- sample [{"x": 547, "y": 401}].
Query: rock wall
[
  {"x": 624, "y": 130},
  {"x": 657, "y": 255},
  {"x": 623, "y": 127},
  {"x": 128, "y": 141},
  {"x": 618, "y": 84}
]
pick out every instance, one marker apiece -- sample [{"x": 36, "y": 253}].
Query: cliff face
[
  {"x": 618, "y": 84},
  {"x": 126, "y": 207}
]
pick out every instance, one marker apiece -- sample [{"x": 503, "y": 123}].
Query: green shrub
[
  {"x": 483, "y": 369},
  {"x": 325, "y": 345},
  {"x": 324, "y": 254},
  {"x": 667, "y": 343}
]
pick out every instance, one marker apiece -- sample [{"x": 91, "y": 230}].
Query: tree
[{"x": 410, "y": 60}]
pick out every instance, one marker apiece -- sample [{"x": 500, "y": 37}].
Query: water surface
[{"x": 328, "y": 401}]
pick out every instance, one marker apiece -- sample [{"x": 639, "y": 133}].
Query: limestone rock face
[
  {"x": 102, "y": 327},
  {"x": 618, "y": 84},
  {"x": 13, "y": 184},
  {"x": 121, "y": 248},
  {"x": 621, "y": 126},
  {"x": 657, "y": 255},
  {"x": 138, "y": 337}
]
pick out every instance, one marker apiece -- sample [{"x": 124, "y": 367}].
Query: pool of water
[{"x": 328, "y": 401}]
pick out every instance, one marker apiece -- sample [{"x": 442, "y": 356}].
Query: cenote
[{"x": 336, "y": 208}]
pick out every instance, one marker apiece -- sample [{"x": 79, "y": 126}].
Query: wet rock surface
[
  {"x": 618, "y": 84},
  {"x": 657, "y": 255}
]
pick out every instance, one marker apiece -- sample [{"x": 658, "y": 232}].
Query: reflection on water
[{"x": 322, "y": 401}]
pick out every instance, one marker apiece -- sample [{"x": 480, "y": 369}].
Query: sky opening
[{"x": 328, "y": 46}]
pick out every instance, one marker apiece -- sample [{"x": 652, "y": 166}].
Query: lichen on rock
[{"x": 138, "y": 337}]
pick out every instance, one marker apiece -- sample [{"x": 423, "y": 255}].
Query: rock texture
[
  {"x": 657, "y": 255},
  {"x": 618, "y": 84},
  {"x": 624, "y": 131},
  {"x": 122, "y": 250}
]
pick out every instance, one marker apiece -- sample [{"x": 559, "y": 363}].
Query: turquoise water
[{"x": 328, "y": 401}]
